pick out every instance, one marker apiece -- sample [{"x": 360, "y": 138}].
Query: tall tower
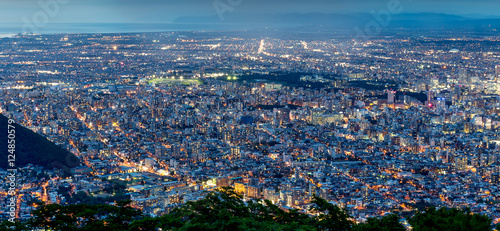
[
  {"x": 441, "y": 104},
  {"x": 430, "y": 98},
  {"x": 497, "y": 72},
  {"x": 497, "y": 78},
  {"x": 462, "y": 76},
  {"x": 457, "y": 93},
  {"x": 390, "y": 96}
]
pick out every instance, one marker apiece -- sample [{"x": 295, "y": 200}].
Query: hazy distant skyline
[{"x": 162, "y": 11}]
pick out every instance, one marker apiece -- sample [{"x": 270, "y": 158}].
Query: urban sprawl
[{"x": 385, "y": 124}]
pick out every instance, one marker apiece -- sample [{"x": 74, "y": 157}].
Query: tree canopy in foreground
[{"x": 226, "y": 210}]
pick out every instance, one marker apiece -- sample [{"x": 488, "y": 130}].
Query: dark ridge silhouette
[{"x": 32, "y": 148}]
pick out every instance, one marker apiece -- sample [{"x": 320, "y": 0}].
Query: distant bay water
[{"x": 7, "y": 30}]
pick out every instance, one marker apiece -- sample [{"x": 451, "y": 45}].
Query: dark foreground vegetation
[{"x": 225, "y": 210}]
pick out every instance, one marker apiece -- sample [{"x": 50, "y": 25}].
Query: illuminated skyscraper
[
  {"x": 235, "y": 152},
  {"x": 430, "y": 98},
  {"x": 441, "y": 104},
  {"x": 434, "y": 82},
  {"x": 462, "y": 76},
  {"x": 497, "y": 78},
  {"x": 467, "y": 127},
  {"x": 461, "y": 162},
  {"x": 457, "y": 93},
  {"x": 497, "y": 72},
  {"x": 390, "y": 96}
]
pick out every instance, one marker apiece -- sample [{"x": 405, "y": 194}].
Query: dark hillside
[{"x": 32, "y": 148}]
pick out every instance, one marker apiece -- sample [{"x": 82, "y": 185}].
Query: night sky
[{"x": 161, "y": 11}]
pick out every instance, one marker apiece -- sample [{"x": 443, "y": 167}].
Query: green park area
[{"x": 175, "y": 81}]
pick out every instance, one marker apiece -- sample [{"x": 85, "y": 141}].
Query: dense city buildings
[{"x": 382, "y": 125}]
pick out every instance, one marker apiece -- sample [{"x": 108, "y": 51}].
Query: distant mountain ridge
[
  {"x": 348, "y": 21},
  {"x": 35, "y": 149}
]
